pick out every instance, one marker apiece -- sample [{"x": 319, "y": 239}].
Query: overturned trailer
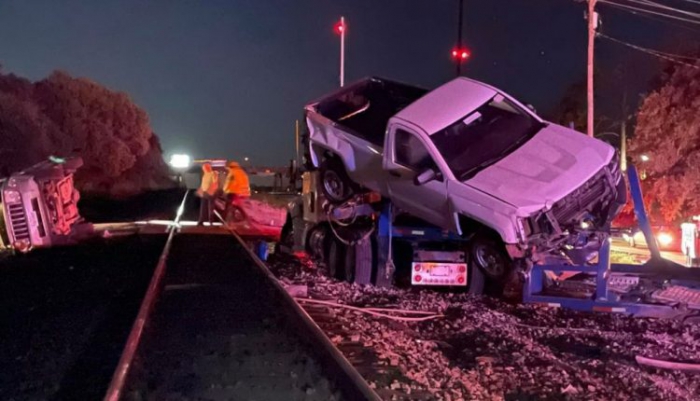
[{"x": 40, "y": 206}]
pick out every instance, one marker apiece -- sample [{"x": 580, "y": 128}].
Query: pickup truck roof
[
  {"x": 446, "y": 104},
  {"x": 365, "y": 107}
]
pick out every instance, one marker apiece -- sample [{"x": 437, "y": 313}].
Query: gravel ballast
[{"x": 486, "y": 349}]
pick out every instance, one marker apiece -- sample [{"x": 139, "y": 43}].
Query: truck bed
[{"x": 363, "y": 109}]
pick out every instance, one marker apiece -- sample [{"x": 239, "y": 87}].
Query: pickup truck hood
[{"x": 552, "y": 164}]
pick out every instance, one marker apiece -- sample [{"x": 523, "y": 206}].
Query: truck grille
[
  {"x": 593, "y": 197},
  {"x": 582, "y": 200},
  {"x": 18, "y": 221}
]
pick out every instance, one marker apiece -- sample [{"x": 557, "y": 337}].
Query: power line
[
  {"x": 668, "y": 22},
  {"x": 691, "y": 1},
  {"x": 643, "y": 10},
  {"x": 656, "y": 53},
  {"x": 654, "y": 4}
]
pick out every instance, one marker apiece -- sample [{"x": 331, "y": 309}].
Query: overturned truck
[
  {"x": 471, "y": 183},
  {"x": 39, "y": 206}
]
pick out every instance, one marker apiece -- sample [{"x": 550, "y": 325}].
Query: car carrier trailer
[{"x": 366, "y": 243}]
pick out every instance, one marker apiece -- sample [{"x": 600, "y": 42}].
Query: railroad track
[
  {"x": 387, "y": 376},
  {"x": 215, "y": 324}
]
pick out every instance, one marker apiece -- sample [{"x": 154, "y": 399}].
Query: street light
[
  {"x": 180, "y": 161},
  {"x": 340, "y": 29},
  {"x": 644, "y": 158}
]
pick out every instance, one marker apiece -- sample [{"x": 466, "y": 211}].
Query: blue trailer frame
[{"x": 604, "y": 299}]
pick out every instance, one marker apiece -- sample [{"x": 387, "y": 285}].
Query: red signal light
[
  {"x": 339, "y": 27},
  {"x": 418, "y": 278},
  {"x": 460, "y": 54}
]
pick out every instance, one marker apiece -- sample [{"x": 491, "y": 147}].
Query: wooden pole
[{"x": 592, "y": 25}]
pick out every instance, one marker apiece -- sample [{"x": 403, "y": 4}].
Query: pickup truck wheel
[
  {"x": 490, "y": 258},
  {"x": 335, "y": 183}
]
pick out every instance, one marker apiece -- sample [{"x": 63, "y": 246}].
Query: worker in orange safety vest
[
  {"x": 207, "y": 191},
  {"x": 237, "y": 182}
]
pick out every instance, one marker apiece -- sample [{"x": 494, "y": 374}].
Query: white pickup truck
[{"x": 468, "y": 158}]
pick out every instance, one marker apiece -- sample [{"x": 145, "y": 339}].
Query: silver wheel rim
[{"x": 333, "y": 185}]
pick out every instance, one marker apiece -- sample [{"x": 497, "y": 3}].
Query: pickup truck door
[{"x": 407, "y": 155}]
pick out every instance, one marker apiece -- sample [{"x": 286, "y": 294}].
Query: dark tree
[
  {"x": 668, "y": 133},
  {"x": 63, "y": 116}
]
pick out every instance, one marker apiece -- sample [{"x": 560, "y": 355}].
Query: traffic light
[
  {"x": 339, "y": 27},
  {"x": 460, "y": 55}
]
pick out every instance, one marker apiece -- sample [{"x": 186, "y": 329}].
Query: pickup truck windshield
[{"x": 484, "y": 136}]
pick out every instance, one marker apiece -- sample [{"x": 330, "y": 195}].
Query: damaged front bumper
[{"x": 577, "y": 224}]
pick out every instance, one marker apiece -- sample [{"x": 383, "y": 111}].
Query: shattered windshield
[{"x": 484, "y": 136}]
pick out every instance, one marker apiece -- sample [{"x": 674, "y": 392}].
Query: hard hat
[{"x": 233, "y": 164}]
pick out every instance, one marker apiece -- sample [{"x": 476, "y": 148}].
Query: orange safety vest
[
  {"x": 237, "y": 182},
  {"x": 210, "y": 183}
]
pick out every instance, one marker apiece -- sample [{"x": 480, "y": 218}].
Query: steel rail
[
  {"x": 116, "y": 386},
  {"x": 351, "y": 381}
]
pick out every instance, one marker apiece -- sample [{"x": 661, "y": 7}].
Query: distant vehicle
[
  {"x": 668, "y": 238},
  {"x": 470, "y": 159}
]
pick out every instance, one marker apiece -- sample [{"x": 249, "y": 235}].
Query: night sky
[{"x": 228, "y": 78}]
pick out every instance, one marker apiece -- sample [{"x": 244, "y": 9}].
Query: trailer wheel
[
  {"x": 286, "y": 241},
  {"x": 490, "y": 257},
  {"x": 335, "y": 183},
  {"x": 359, "y": 262},
  {"x": 317, "y": 242},
  {"x": 336, "y": 259}
]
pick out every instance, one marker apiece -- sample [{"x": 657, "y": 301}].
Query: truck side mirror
[{"x": 426, "y": 176}]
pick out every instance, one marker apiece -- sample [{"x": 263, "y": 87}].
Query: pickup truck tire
[
  {"x": 489, "y": 256},
  {"x": 475, "y": 281},
  {"x": 335, "y": 183}
]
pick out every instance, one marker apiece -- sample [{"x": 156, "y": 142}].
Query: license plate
[{"x": 439, "y": 273}]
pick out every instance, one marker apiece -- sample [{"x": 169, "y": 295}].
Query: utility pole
[
  {"x": 340, "y": 30},
  {"x": 459, "y": 35},
  {"x": 592, "y": 25},
  {"x": 623, "y": 133},
  {"x": 296, "y": 139}
]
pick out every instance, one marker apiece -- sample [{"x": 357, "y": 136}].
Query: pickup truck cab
[{"x": 469, "y": 158}]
